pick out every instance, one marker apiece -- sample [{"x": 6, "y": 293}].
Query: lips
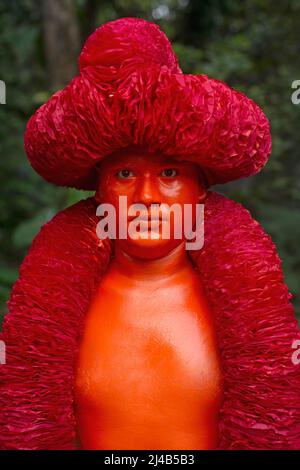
[
  {"x": 147, "y": 218},
  {"x": 146, "y": 223}
]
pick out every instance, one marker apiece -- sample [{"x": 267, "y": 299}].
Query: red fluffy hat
[{"x": 131, "y": 92}]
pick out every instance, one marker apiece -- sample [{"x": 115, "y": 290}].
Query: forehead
[{"x": 140, "y": 158}]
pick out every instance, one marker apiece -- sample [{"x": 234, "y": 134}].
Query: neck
[{"x": 129, "y": 266}]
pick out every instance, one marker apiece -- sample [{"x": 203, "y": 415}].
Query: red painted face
[{"x": 149, "y": 179}]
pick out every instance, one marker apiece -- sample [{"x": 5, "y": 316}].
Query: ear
[
  {"x": 97, "y": 199},
  {"x": 202, "y": 194},
  {"x": 202, "y": 187},
  {"x": 98, "y": 187},
  {"x": 97, "y": 195}
]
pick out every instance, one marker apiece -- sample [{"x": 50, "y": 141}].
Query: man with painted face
[
  {"x": 149, "y": 369},
  {"x": 139, "y": 343}
]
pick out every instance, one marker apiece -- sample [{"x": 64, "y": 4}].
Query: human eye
[
  {"x": 169, "y": 172},
  {"x": 125, "y": 173}
]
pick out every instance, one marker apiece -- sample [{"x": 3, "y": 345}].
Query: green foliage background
[{"x": 253, "y": 45}]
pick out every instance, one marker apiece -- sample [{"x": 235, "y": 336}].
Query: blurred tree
[
  {"x": 89, "y": 17},
  {"x": 62, "y": 40}
]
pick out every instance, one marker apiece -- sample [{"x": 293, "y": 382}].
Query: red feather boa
[{"x": 255, "y": 323}]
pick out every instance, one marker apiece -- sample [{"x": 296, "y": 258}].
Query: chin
[{"x": 149, "y": 248}]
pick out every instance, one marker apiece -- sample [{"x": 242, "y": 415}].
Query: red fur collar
[{"x": 255, "y": 323}]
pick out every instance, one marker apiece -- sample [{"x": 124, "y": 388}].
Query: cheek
[
  {"x": 187, "y": 195},
  {"x": 184, "y": 192},
  {"x": 109, "y": 191},
  {"x": 109, "y": 188}
]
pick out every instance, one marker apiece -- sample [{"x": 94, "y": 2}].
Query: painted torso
[{"x": 148, "y": 373}]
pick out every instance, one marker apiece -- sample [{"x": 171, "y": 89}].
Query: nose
[{"x": 147, "y": 191}]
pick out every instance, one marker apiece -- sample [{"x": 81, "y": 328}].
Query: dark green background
[{"x": 253, "y": 45}]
